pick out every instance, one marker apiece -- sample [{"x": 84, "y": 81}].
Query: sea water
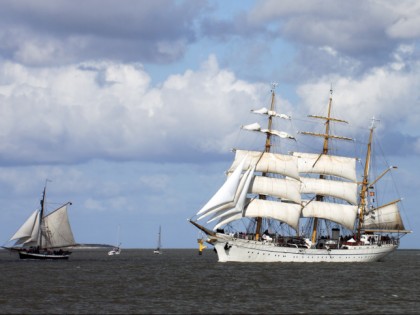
[{"x": 182, "y": 282}]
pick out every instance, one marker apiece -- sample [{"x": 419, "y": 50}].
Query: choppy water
[{"x": 180, "y": 281}]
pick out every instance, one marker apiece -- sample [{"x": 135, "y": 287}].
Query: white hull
[
  {"x": 230, "y": 249},
  {"x": 114, "y": 252}
]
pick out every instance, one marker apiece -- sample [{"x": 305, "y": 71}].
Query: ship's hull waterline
[
  {"x": 42, "y": 256},
  {"x": 231, "y": 249}
]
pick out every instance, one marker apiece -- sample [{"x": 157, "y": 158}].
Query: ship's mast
[
  {"x": 41, "y": 217},
  {"x": 365, "y": 183},
  {"x": 325, "y": 150},
  {"x": 267, "y": 149}
]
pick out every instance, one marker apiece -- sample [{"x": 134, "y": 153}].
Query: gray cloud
[
  {"x": 45, "y": 32},
  {"x": 330, "y": 36}
]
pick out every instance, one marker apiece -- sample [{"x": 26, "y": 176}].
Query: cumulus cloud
[
  {"x": 109, "y": 110},
  {"x": 389, "y": 93}
]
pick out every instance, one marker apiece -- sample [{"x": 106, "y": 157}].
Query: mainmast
[
  {"x": 325, "y": 150},
  {"x": 267, "y": 149},
  {"x": 41, "y": 217}
]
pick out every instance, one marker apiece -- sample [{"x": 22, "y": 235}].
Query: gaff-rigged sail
[
  {"x": 384, "y": 218},
  {"x": 57, "y": 230}
]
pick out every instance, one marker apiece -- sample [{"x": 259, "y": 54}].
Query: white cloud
[
  {"x": 109, "y": 110},
  {"x": 388, "y": 93},
  {"x": 407, "y": 25}
]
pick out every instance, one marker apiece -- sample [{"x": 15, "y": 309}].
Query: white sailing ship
[
  {"x": 44, "y": 235},
  {"x": 299, "y": 206}
]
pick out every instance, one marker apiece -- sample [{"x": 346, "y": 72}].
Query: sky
[{"x": 130, "y": 108}]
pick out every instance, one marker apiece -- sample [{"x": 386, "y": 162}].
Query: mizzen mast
[{"x": 325, "y": 150}]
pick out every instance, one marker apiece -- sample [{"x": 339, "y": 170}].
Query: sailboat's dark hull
[{"x": 44, "y": 256}]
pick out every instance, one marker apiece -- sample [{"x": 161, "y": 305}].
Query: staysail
[
  {"x": 28, "y": 232},
  {"x": 269, "y": 174}
]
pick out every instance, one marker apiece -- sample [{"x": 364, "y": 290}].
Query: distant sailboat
[
  {"x": 117, "y": 249},
  {"x": 158, "y": 249},
  {"x": 44, "y": 235}
]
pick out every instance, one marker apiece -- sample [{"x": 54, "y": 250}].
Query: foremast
[
  {"x": 325, "y": 150},
  {"x": 267, "y": 149}
]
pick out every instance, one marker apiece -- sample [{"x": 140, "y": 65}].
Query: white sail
[
  {"x": 240, "y": 198},
  {"x": 57, "y": 232},
  {"x": 384, "y": 218},
  {"x": 286, "y": 212},
  {"x": 231, "y": 204},
  {"x": 28, "y": 232},
  {"x": 227, "y": 192},
  {"x": 339, "y": 213},
  {"x": 304, "y": 202},
  {"x": 257, "y": 127},
  {"x": 252, "y": 127},
  {"x": 265, "y": 111},
  {"x": 226, "y": 213},
  {"x": 327, "y": 165},
  {"x": 267, "y": 163},
  {"x": 344, "y": 190},
  {"x": 288, "y": 189}
]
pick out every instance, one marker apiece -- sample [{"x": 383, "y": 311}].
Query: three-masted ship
[{"x": 299, "y": 206}]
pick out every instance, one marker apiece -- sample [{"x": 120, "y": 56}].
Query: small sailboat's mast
[
  {"x": 159, "y": 245},
  {"x": 267, "y": 149}
]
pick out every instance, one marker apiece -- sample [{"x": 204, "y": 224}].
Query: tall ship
[
  {"x": 301, "y": 206},
  {"x": 44, "y": 236}
]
